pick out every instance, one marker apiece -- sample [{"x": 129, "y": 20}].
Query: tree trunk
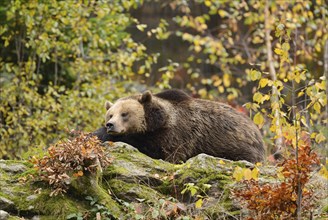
[{"x": 273, "y": 75}]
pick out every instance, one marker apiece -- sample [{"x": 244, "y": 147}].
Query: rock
[
  {"x": 6, "y": 204},
  {"x": 31, "y": 197},
  {"x": 14, "y": 167},
  {"x": 4, "y": 215}
]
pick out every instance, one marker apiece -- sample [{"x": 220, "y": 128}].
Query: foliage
[
  {"x": 98, "y": 211},
  {"x": 245, "y": 173},
  {"x": 273, "y": 49},
  {"x": 165, "y": 208},
  {"x": 228, "y": 38},
  {"x": 306, "y": 98},
  {"x": 70, "y": 159},
  {"x": 279, "y": 200},
  {"x": 59, "y": 61},
  {"x": 199, "y": 192}
]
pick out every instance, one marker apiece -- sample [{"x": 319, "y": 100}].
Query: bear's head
[{"x": 134, "y": 114}]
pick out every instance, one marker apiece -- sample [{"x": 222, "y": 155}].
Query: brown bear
[{"x": 174, "y": 127}]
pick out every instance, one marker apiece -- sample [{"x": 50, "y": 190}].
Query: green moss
[
  {"x": 325, "y": 208},
  {"x": 90, "y": 185},
  {"x": 58, "y": 206},
  {"x": 166, "y": 187},
  {"x": 3, "y": 177},
  {"x": 14, "y": 218},
  {"x": 132, "y": 191},
  {"x": 113, "y": 171}
]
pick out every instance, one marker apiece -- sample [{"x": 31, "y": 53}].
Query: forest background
[{"x": 60, "y": 61}]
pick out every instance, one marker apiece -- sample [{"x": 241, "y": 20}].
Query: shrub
[
  {"x": 280, "y": 200},
  {"x": 70, "y": 159}
]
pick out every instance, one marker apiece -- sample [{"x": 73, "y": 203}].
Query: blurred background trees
[{"x": 60, "y": 60}]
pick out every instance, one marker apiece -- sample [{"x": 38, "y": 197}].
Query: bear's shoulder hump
[{"x": 174, "y": 95}]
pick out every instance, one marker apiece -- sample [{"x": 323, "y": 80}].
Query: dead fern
[{"x": 70, "y": 159}]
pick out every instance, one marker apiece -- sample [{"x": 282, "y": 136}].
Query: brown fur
[{"x": 177, "y": 127}]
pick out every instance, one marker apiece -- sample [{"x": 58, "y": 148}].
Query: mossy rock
[{"x": 133, "y": 186}]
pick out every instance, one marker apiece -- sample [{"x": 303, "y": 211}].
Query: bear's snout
[{"x": 109, "y": 126}]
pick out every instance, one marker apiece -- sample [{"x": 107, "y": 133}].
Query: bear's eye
[
  {"x": 124, "y": 114},
  {"x": 110, "y": 116}
]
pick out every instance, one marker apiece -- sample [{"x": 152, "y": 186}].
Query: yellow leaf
[
  {"x": 303, "y": 120},
  {"x": 280, "y": 175},
  {"x": 257, "y": 40},
  {"x": 255, "y": 75},
  {"x": 238, "y": 173},
  {"x": 263, "y": 82},
  {"x": 199, "y": 203},
  {"x": 141, "y": 27},
  {"x": 285, "y": 46},
  {"x": 258, "y": 119},
  {"x": 198, "y": 48},
  {"x": 208, "y": 3},
  {"x": 202, "y": 92},
  {"x": 313, "y": 135},
  {"x": 226, "y": 80},
  {"x": 292, "y": 209},
  {"x": 221, "y": 89},
  {"x": 221, "y": 162},
  {"x": 324, "y": 172},
  {"x": 320, "y": 138},
  {"x": 321, "y": 85},
  {"x": 318, "y": 47},
  {"x": 247, "y": 174},
  {"x": 222, "y": 13},
  {"x": 317, "y": 107},
  {"x": 255, "y": 173},
  {"x": 278, "y": 51},
  {"x": 6, "y": 42},
  {"x": 257, "y": 97}
]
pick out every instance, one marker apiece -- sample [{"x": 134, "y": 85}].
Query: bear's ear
[
  {"x": 145, "y": 97},
  {"x": 108, "y": 105}
]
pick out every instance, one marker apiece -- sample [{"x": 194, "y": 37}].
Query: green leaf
[{"x": 193, "y": 191}]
